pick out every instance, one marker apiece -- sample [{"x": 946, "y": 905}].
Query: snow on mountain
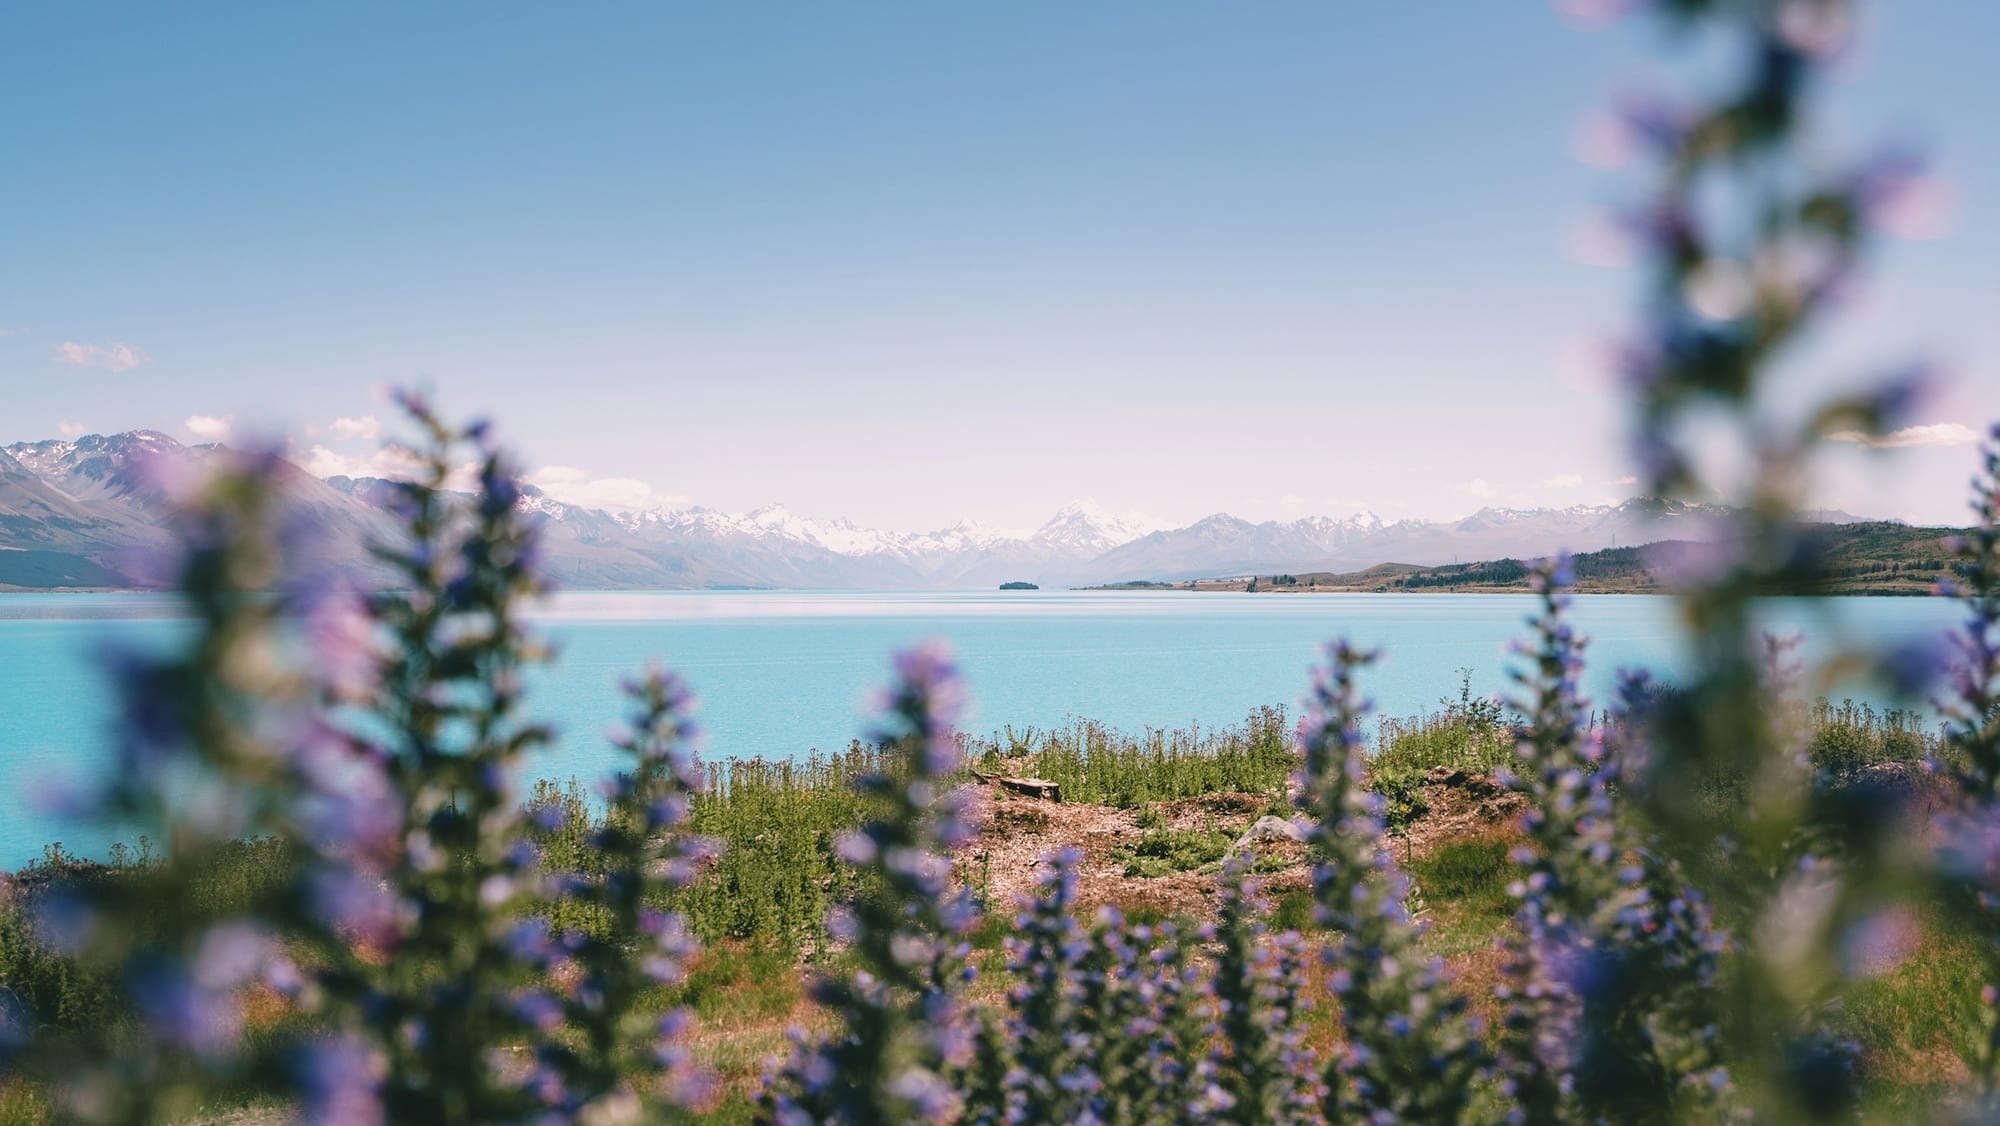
[
  {"x": 1086, "y": 527},
  {"x": 837, "y": 536},
  {"x": 966, "y": 535},
  {"x": 106, "y": 499},
  {"x": 99, "y": 497},
  {"x": 122, "y": 469}
]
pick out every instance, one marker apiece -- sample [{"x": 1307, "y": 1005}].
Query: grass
[
  {"x": 1848, "y": 737},
  {"x": 1414, "y": 747},
  {"x": 777, "y": 875},
  {"x": 1101, "y": 765},
  {"x": 738, "y": 981},
  {"x": 1162, "y": 852},
  {"x": 1471, "y": 874},
  {"x": 759, "y": 907},
  {"x": 1918, "y": 1020},
  {"x": 1467, "y": 734},
  {"x": 24, "y": 1104},
  {"x": 1294, "y": 911},
  {"x": 1464, "y": 888}
]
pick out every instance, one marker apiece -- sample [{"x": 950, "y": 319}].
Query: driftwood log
[{"x": 1027, "y": 787}]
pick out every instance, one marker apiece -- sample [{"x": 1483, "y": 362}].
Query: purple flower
[
  {"x": 65, "y": 922},
  {"x": 356, "y": 905},
  {"x": 340, "y": 1079},
  {"x": 1880, "y": 942},
  {"x": 528, "y": 941},
  {"x": 854, "y": 848},
  {"x": 344, "y": 646},
  {"x": 668, "y": 811},
  {"x": 231, "y": 954},
  {"x": 538, "y": 1010},
  {"x": 1913, "y": 668},
  {"x": 927, "y": 1091},
  {"x": 1691, "y": 563},
  {"x": 181, "y": 1010}
]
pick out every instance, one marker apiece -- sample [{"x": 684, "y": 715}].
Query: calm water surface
[{"x": 782, "y": 673}]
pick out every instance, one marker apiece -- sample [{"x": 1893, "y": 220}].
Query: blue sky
[{"x": 909, "y": 263}]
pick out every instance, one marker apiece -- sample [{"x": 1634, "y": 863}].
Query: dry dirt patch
[{"x": 1460, "y": 806}]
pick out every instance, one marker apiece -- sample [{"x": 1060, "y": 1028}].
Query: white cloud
[
  {"x": 367, "y": 428},
  {"x": 1564, "y": 481},
  {"x": 1935, "y": 434},
  {"x": 392, "y": 462},
  {"x": 207, "y": 427},
  {"x": 110, "y": 357},
  {"x": 70, "y": 429},
  {"x": 571, "y": 485},
  {"x": 12, "y": 331},
  {"x": 1628, "y": 479},
  {"x": 1480, "y": 487}
]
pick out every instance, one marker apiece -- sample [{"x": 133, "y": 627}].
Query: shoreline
[
  {"x": 1238, "y": 587},
  {"x": 1201, "y": 586}
]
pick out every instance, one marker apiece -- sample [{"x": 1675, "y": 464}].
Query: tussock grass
[
  {"x": 1463, "y": 885},
  {"x": 1101, "y": 765}
]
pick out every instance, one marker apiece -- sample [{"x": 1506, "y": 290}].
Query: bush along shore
[{"x": 1701, "y": 903}]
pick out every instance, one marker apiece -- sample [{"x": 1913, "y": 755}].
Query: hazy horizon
[{"x": 909, "y": 266}]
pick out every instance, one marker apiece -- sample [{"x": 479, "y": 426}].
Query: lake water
[{"x": 781, "y": 673}]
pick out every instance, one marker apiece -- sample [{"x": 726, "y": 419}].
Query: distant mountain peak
[
  {"x": 1085, "y": 508},
  {"x": 97, "y": 495},
  {"x": 1086, "y": 526}
]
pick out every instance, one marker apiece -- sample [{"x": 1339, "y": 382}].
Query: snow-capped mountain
[
  {"x": 1084, "y": 527},
  {"x": 773, "y": 546},
  {"x": 1222, "y": 544},
  {"x": 94, "y": 507}
]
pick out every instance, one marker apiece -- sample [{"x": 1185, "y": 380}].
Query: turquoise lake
[{"x": 782, "y": 673}]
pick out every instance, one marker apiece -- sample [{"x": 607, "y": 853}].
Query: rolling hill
[{"x": 1873, "y": 558}]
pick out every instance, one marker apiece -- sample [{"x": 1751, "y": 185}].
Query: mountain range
[{"x": 89, "y": 512}]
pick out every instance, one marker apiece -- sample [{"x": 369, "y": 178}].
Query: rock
[
  {"x": 1273, "y": 828},
  {"x": 1027, "y": 787}
]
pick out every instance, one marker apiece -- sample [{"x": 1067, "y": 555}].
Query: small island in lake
[{"x": 1019, "y": 586}]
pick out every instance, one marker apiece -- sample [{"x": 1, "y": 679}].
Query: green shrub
[
  {"x": 53, "y": 990},
  {"x": 1163, "y": 852},
  {"x": 1294, "y": 911},
  {"x": 1411, "y": 748},
  {"x": 1101, "y": 765},
  {"x": 1850, "y": 736},
  {"x": 56, "y": 991},
  {"x": 1469, "y": 875}
]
